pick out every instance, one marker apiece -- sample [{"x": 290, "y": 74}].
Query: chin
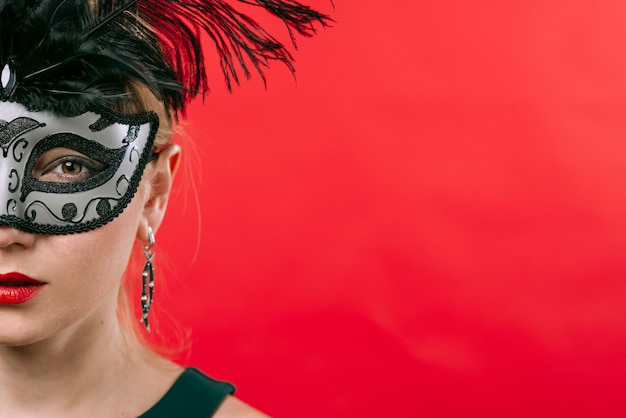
[
  {"x": 20, "y": 339},
  {"x": 17, "y": 330}
]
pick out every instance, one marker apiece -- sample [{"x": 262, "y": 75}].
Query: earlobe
[{"x": 160, "y": 185}]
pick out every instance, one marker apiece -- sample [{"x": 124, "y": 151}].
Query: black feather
[{"x": 69, "y": 55}]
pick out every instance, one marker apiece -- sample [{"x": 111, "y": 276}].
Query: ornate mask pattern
[{"x": 63, "y": 175}]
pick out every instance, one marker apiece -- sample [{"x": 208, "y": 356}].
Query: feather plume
[{"x": 71, "y": 55}]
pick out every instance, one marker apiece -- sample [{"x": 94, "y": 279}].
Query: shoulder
[{"x": 234, "y": 408}]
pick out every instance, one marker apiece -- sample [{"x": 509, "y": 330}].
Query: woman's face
[
  {"x": 81, "y": 272},
  {"x": 65, "y": 161}
]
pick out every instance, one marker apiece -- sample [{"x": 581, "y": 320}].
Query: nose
[{"x": 10, "y": 236}]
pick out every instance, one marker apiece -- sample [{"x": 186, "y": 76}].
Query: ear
[{"x": 160, "y": 177}]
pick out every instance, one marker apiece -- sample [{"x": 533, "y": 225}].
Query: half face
[{"x": 61, "y": 175}]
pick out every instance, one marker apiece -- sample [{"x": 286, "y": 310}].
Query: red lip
[{"x": 16, "y": 288}]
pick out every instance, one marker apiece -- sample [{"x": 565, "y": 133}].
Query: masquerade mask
[
  {"x": 67, "y": 165},
  {"x": 64, "y": 175}
]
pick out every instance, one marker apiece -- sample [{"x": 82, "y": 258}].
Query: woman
[{"x": 89, "y": 93}]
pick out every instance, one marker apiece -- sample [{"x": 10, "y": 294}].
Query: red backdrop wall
[{"x": 429, "y": 223}]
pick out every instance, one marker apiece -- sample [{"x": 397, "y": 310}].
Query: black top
[{"x": 193, "y": 395}]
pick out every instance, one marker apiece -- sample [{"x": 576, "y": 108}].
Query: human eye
[{"x": 65, "y": 165}]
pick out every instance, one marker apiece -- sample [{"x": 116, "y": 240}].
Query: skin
[{"x": 63, "y": 353}]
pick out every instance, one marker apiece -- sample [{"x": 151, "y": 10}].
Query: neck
[
  {"x": 66, "y": 360},
  {"x": 81, "y": 369}
]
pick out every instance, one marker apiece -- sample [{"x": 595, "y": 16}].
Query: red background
[{"x": 430, "y": 222}]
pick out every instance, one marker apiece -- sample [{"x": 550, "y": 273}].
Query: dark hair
[{"x": 69, "y": 56}]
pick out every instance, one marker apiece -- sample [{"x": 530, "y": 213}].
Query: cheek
[
  {"x": 95, "y": 261},
  {"x": 83, "y": 271}
]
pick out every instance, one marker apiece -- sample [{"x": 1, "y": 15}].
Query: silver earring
[{"x": 147, "y": 280}]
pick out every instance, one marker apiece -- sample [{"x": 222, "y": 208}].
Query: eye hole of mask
[
  {"x": 65, "y": 165},
  {"x": 68, "y": 163}
]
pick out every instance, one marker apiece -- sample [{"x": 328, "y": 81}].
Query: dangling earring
[{"x": 147, "y": 280}]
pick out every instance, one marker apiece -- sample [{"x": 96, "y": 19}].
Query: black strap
[{"x": 193, "y": 395}]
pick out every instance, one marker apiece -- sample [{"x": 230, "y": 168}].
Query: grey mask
[{"x": 62, "y": 175}]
